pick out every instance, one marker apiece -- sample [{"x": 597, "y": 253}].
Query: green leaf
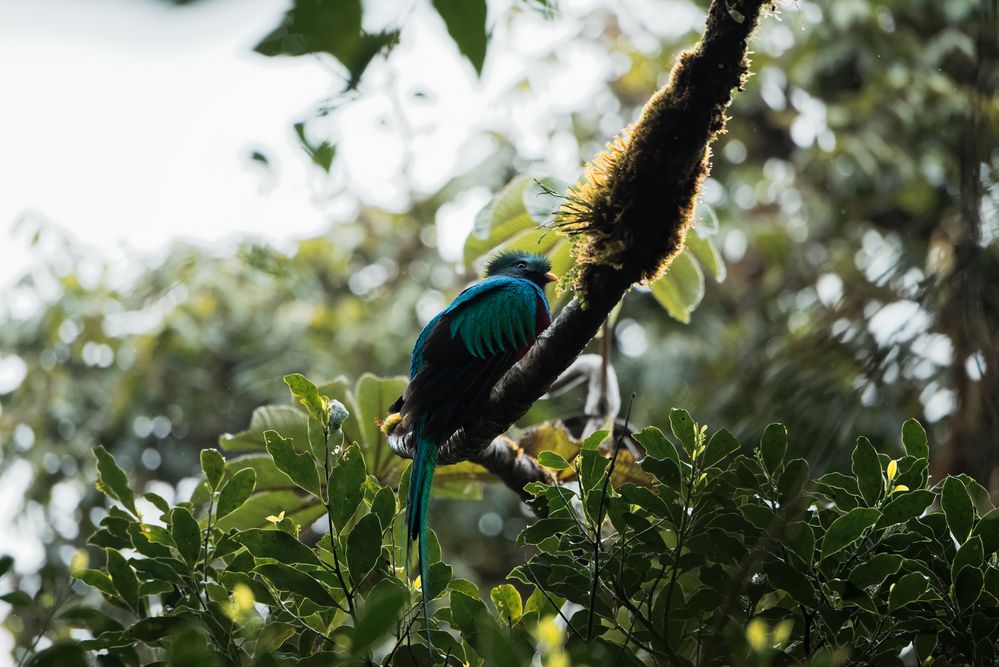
[
  {"x": 793, "y": 479},
  {"x": 683, "y": 428},
  {"x": 466, "y": 612},
  {"x": 508, "y": 602},
  {"x": 847, "y": 529},
  {"x": 213, "y": 465},
  {"x": 504, "y": 217},
  {"x": 276, "y": 544},
  {"x": 968, "y": 586},
  {"x": 721, "y": 444},
  {"x": 345, "y": 487},
  {"x": 800, "y": 539},
  {"x": 875, "y": 570},
  {"x": 321, "y": 153},
  {"x": 186, "y": 534},
  {"x": 236, "y": 491},
  {"x": 914, "y": 439},
  {"x": 300, "y": 468},
  {"x": 957, "y": 507},
  {"x": 306, "y": 393},
  {"x": 552, "y": 460},
  {"x": 270, "y": 638},
  {"x": 773, "y": 444},
  {"x": 988, "y": 529},
  {"x": 378, "y": 616},
  {"x": 906, "y": 590},
  {"x": 383, "y": 505},
  {"x": 539, "y": 603},
  {"x": 16, "y": 599},
  {"x": 112, "y": 481},
  {"x": 972, "y": 553},
  {"x": 321, "y": 26},
  {"x": 61, "y": 654},
  {"x": 466, "y": 23},
  {"x": 374, "y": 396},
  {"x": 124, "y": 579},
  {"x": 788, "y": 579},
  {"x": 286, "y": 578},
  {"x": 285, "y": 419},
  {"x": 657, "y": 445},
  {"x": 867, "y": 469},
  {"x": 681, "y": 288},
  {"x": 704, "y": 250},
  {"x": 97, "y": 579},
  {"x": 364, "y": 545},
  {"x": 254, "y": 513},
  {"x": 439, "y": 575},
  {"x": 666, "y": 471},
  {"x": 905, "y": 505},
  {"x": 593, "y": 440},
  {"x": 6, "y": 562}
]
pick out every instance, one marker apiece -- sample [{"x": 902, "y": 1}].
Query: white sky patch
[
  {"x": 455, "y": 220},
  {"x": 898, "y": 322},
  {"x": 134, "y": 121}
]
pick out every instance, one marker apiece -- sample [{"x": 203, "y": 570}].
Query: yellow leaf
[
  {"x": 892, "y": 469},
  {"x": 757, "y": 634}
]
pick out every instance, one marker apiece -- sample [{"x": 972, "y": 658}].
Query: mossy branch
[{"x": 628, "y": 218}]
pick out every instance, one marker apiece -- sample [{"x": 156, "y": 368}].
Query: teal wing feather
[{"x": 500, "y": 317}]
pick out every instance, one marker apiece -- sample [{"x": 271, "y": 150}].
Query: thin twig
[{"x": 329, "y": 517}]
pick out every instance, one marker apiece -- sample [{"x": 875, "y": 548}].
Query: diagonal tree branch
[{"x": 629, "y": 218}]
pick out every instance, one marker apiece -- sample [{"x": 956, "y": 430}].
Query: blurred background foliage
[{"x": 858, "y": 209}]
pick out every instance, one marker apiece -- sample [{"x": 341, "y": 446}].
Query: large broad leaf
[
  {"x": 327, "y": 26},
  {"x": 502, "y": 218},
  {"x": 373, "y": 396},
  {"x": 704, "y": 250},
  {"x": 303, "y": 510},
  {"x": 516, "y": 219},
  {"x": 681, "y": 289},
  {"x": 287, "y": 420},
  {"x": 466, "y": 23}
]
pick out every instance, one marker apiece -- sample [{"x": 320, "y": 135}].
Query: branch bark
[{"x": 640, "y": 205}]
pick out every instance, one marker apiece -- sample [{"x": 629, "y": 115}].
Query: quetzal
[{"x": 457, "y": 359}]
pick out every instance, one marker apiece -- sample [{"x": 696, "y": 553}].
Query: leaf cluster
[{"x": 706, "y": 553}]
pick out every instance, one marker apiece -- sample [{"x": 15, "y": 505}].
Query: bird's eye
[{"x": 522, "y": 265}]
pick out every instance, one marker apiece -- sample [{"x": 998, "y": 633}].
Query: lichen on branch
[
  {"x": 628, "y": 218},
  {"x": 635, "y": 202}
]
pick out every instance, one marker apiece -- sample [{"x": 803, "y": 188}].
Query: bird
[{"x": 458, "y": 357}]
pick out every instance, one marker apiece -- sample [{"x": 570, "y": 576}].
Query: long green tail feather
[{"x": 420, "y": 480}]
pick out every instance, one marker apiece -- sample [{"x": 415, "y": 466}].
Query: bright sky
[
  {"x": 133, "y": 121},
  {"x": 130, "y": 122}
]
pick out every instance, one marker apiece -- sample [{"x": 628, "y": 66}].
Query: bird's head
[{"x": 517, "y": 264}]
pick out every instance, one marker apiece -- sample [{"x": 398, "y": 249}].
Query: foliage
[
  {"x": 713, "y": 555},
  {"x": 520, "y": 217}
]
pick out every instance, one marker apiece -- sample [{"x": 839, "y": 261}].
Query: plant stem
[{"x": 329, "y": 518}]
